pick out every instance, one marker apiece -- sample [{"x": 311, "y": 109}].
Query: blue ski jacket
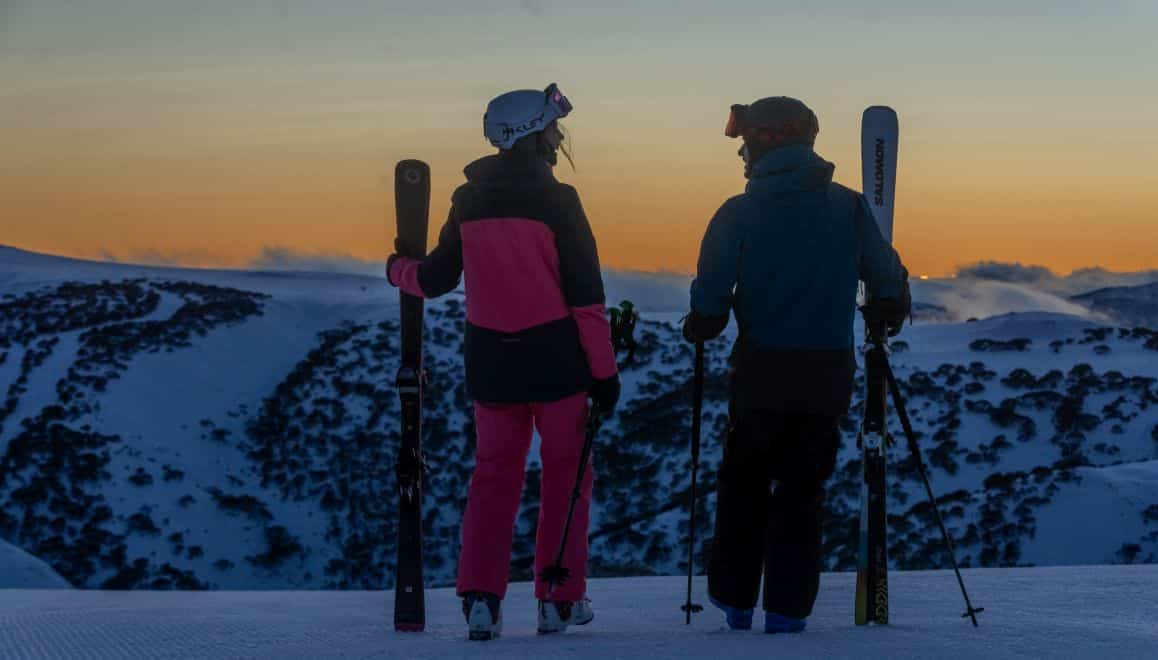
[{"x": 785, "y": 257}]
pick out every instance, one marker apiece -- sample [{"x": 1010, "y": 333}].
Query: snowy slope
[
  {"x": 1136, "y": 305},
  {"x": 20, "y": 570},
  {"x": 168, "y": 428},
  {"x": 1101, "y": 613}
]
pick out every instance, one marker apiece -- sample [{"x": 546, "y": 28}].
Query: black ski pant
[{"x": 769, "y": 510}]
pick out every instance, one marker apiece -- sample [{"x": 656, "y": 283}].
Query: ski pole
[
  {"x": 556, "y": 574},
  {"x": 903, "y": 414},
  {"x": 697, "y": 408},
  {"x": 623, "y": 328}
]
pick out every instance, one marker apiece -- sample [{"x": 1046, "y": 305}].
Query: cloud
[
  {"x": 1078, "y": 282},
  {"x": 1005, "y": 272},
  {"x": 965, "y": 298},
  {"x": 1091, "y": 279},
  {"x": 1007, "y": 290},
  {"x": 166, "y": 258},
  {"x": 978, "y": 290},
  {"x": 281, "y": 259}
]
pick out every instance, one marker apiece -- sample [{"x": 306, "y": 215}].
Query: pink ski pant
[{"x": 504, "y": 439}]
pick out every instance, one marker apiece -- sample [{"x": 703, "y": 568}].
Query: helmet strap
[
  {"x": 536, "y": 144},
  {"x": 544, "y": 149},
  {"x": 755, "y": 150}
]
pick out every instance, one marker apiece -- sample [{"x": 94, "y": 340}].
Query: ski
[
  {"x": 412, "y": 205},
  {"x": 879, "y": 133}
]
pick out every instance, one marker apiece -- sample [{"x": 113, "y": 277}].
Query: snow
[
  {"x": 22, "y": 271},
  {"x": 1090, "y": 612},
  {"x": 973, "y": 298},
  {"x": 167, "y": 405},
  {"x": 1104, "y": 507},
  {"x": 20, "y": 570}
]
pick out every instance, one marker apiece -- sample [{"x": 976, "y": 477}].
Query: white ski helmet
[{"x": 520, "y": 113}]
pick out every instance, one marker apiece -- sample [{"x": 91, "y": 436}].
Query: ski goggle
[
  {"x": 557, "y": 101},
  {"x": 736, "y": 124},
  {"x": 785, "y": 132}
]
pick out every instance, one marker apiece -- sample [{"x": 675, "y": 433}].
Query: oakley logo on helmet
[{"x": 525, "y": 128}]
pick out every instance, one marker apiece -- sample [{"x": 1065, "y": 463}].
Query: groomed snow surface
[{"x": 1101, "y": 612}]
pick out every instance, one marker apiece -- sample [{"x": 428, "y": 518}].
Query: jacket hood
[
  {"x": 509, "y": 169},
  {"x": 793, "y": 168}
]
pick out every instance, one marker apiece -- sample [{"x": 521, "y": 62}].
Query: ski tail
[
  {"x": 863, "y": 579},
  {"x": 872, "y": 594},
  {"x": 872, "y": 575}
]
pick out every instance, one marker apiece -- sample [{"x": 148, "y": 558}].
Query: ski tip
[
  {"x": 409, "y": 627},
  {"x": 880, "y": 119}
]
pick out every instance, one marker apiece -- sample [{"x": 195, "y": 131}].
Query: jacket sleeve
[
  {"x": 880, "y": 266},
  {"x": 439, "y": 272},
  {"x": 718, "y": 268},
  {"x": 582, "y": 282}
]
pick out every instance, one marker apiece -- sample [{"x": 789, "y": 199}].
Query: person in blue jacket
[{"x": 785, "y": 258}]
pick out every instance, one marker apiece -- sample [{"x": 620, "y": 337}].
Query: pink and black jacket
[{"x": 536, "y": 325}]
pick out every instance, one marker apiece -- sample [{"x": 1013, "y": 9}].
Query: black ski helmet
[
  {"x": 775, "y": 121},
  {"x": 770, "y": 123}
]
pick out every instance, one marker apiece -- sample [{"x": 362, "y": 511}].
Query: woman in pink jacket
[{"x": 538, "y": 344}]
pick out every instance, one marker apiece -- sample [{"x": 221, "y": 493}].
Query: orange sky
[{"x": 204, "y": 138}]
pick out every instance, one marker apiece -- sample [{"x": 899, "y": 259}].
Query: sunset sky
[{"x": 201, "y": 132}]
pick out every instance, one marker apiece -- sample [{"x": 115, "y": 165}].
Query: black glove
[
  {"x": 698, "y": 328},
  {"x": 604, "y": 393},
  {"x": 891, "y": 311}
]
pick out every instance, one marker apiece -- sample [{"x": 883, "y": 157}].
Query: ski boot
[
  {"x": 555, "y": 616},
  {"x": 484, "y": 617},
  {"x": 737, "y": 618},
  {"x": 777, "y": 623}
]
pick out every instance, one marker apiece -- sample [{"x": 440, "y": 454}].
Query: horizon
[
  {"x": 982, "y": 290},
  {"x": 281, "y": 259},
  {"x": 205, "y": 136}
]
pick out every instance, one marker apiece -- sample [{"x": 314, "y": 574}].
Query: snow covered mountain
[
  {"x": 1134, "y": 305},
  {"x": 20, "y": 570},
  {"x": 169, "y": 428}
]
